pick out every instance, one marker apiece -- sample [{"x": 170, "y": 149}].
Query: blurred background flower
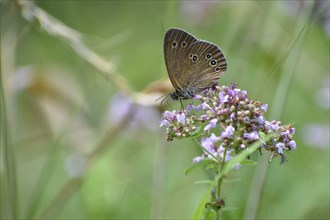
[
  {"x": 145, "y": 117},
  {"x": 316, "y": 135}
]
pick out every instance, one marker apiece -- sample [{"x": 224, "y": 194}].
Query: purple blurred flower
[
  {"x": 251, "y": 136},
  {"x": 203, "y": 117},
  {"x": 244, "y": 93},
  {"x": 228, "y": 132},
  {"x": 260, "y": 120},
  {"x": 223, "y": 97},
  {"x": 212, "y": 124},
  {"x": 273, "y": 126},
  {"x": 264, "y": 107},
  {"x": 280, "y": 146},
  {"x": 205, "y": 106},
  {"x": 197, "y": 159},
  {"x": 181, "y": 118},
  {"x": 222, "y": 112},
  {"x": 316, "y": 135},
  {"x": 209, "y": 143},
  {"x": 164, "y": 123},
  {"x": 197, "y": 96},
  {"x": 198, "y": 12},
  {"x": 292, "y": 145},
  {"x": 228, "y": 156},
  {"x": 232, "y": 93},
  {"x": 232, "y": 116},
  {"x": 189, "y": 107},
  {"x": 169, "y": 115},
  {"x": 143, "y": 117},
  {"x": 292, "y": 131}
]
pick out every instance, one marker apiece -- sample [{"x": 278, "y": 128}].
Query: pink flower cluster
[{"x": 226, "y": 118}]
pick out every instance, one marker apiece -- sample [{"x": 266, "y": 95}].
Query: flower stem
[{"x": 219, "y": 182}]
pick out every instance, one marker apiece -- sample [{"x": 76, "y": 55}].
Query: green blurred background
[{"x": 69, "y": 149}]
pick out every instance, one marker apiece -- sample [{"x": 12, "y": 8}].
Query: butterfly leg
[{"x": 182, "y": 106}]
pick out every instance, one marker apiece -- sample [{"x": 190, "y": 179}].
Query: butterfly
[{"x": 193, "y": 65}]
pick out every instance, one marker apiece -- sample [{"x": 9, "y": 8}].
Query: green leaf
[
  {"x": 249, "y": 162},
  {"x": 232, "y": 180},
  {"x": 227, "y": 209},
  {"x": 242, "y": 156},
  {"x": 262, "y": 135},
  {"x": 195, "y": 166},
  {"x": 208, "y": 182},
  {"x": 197, "y": 132},
  {"x": 201, "y": 206},
  {"x": 209, "y": 213}
]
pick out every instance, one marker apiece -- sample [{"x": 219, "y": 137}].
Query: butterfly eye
[
  {"x": 184, "y": 44},
  {"x": 194, "y": 58},
  {"x": 217, "y": 69},
  {"x": 174, "y": 44},
  {"x": 208, "y": 56},
  {"x": 213, "y": 62},
  {"x": 191, "y": 56}
]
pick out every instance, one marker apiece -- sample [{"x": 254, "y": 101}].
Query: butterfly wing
[
  {"x": 176, "y": 43},
  {"x": 204, "y": 64}
]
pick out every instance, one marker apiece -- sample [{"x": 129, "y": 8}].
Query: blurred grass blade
[
  {"x": 9, "y": 206},
  {"x": 276, "y": 109},
  {"x": 289, "y": 51},
  {"x": 43, "y": 181},
  {"x": 34, "y": 14},
  {"x": 69, "y": 188},
  {"x": 171, "y": 14},
  {"x": 201, "y": 206}
]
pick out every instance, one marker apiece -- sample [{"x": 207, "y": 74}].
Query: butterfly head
[{"x": 187, "y": 93}]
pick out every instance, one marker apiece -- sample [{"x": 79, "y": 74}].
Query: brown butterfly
[{"x": 192, "y": 64}]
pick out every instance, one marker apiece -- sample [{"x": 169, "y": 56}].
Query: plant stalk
[{"x": 219, "y": 183}]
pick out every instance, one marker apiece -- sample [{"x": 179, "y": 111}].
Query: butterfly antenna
[
  {"x": 161, "y": 97},
  {"x": 164, "y": 97}
]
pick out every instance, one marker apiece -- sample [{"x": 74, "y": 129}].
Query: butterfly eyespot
[
  {"x": 184, "y": 44},
  {"x": 191, "y": 56},
  {"x": 174, "y": 44},
  {"x": 213, "y": 62},
  {"x": 217, "y": 69},
  {"x": 194, "y": 58},
  {"x": 208, "y": 56}
]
